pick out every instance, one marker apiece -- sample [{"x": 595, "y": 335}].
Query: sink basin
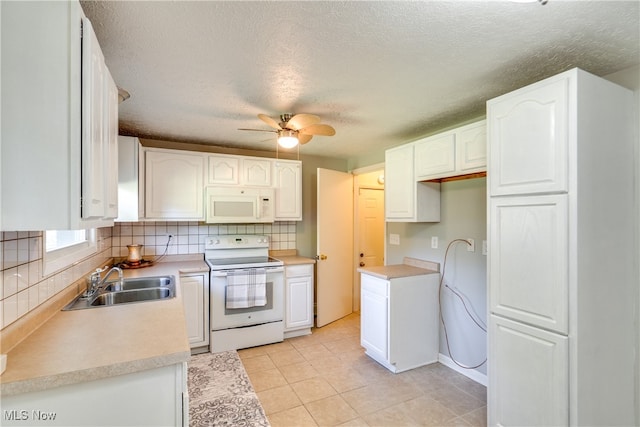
[
  {"x": 137, "y": 295},
  {"x": 140, "y": 283},
  {"x": 139, "y": 289}
]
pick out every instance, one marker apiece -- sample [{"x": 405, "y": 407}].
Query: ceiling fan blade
[
  {"x": 318, "y": 129},
  {"x": 259, "y": 130},
  {"x": 300, "y": 121},
  {"x": 268, "y": 120},
  {"x": 303, "y": 138}
]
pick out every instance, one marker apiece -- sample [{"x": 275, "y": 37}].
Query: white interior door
[
  {"x": 370, "y": 233},
  {"x": 334, "y": 289}
]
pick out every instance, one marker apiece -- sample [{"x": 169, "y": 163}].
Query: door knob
[
  {"x": 323, "y": 257},
  {"x": 361, "y": 264}
]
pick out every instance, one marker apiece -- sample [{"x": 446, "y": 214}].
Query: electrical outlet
[
  {"x": 434, "y": 242},
  {"x": 485, "y": 249},
  {"x": 394, "y": 239},
  {"x": 471, "y": 247}
]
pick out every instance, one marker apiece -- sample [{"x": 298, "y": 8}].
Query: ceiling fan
[{"x": 295, "y": 129}]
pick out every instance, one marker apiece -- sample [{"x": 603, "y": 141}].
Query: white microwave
[{"x": 239, "y": 205}]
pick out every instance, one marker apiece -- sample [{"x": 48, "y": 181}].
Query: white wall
[{"x": 463, "y": 215}]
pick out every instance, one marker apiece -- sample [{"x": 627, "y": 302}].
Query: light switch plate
[
  {"x": 434, "y": 242},
  {"x": 394, "y": 239}
]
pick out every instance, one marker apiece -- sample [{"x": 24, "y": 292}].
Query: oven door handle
[{"x": 223, "y": 273}]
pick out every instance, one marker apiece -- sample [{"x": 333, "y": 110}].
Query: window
[{"x": 63, "y": 248}]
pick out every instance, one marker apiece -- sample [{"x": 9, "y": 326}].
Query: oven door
[{"x": 226, "y": 318}]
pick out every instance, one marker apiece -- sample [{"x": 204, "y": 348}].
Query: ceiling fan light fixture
[{"x": 287, "y": 138}]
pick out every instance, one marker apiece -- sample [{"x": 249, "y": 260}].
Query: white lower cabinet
[
  {"x": 298, "y": 300},
  {"x": 195, "y": 296},
  {"x": 528, "y": 375},
  {"x": 390, "y": 312},
  {"x": 153, "y": 397}
]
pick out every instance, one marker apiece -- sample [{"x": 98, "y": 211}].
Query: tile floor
[{"x": 325, "y": 379}]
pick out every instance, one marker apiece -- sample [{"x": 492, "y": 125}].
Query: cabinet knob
[{"x": 362, "y": 264}]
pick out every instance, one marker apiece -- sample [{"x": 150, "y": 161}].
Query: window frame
[{"x": 66, "y": 256}]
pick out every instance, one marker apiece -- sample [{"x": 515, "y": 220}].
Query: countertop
[
  {"x": 409, "y": 267},
  {"x": 296, "y": 260},
  {"x": 291, "y": 257},
  {"x": 85, "y": 345}
]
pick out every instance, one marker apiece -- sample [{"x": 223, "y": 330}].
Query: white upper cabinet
[
  {"x": 93, "y": 130},
  {"x": 399, "y": 183},
  {"x": 111, "y": 157},
  {"x": 530, "y": 139},
  {"x": 223, "y": 169},
  {"x": 436, "y": 156},
  {"x": 460, "y": 151},
  {"x": 471, "y": 148},
  {"x": 174, "y": 184},
  {"x": 129, "y": 191},
  {"x": 99, "y": 133},
  {"x": 56, "y": 136},
  {"x": 255, "y": 172},
  {"x": 405, "y": 199},
  {"x": 288, "y": 187}
]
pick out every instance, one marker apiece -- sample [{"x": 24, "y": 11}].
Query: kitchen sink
[
  {"x": 134, "y": 290},
  {"x": 140, "y": 283},
  {"x": 137, "y": 295}
]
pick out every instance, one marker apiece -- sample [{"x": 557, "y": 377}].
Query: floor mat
[{"x": 220, "y": 393}]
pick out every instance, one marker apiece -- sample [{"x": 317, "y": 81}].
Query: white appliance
[
  {"x": 240, "y": 205},
  {"x": 233, "y": 256}
]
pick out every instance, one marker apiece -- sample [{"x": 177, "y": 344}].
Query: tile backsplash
[
  {"x": 23, "y": 287},
  {"x": 188, "y": 237}
]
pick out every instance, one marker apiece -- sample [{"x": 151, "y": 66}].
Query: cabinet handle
[{"x": 361, "y": 264}]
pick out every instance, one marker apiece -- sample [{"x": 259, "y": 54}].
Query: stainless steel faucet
[{"x": 94, "y": 282}]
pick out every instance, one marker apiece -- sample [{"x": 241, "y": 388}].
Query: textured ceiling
[{"x": 382, "y": 73}]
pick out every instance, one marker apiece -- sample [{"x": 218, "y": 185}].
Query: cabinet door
[
  {"x": 223, "y": 170},
  {"x": 528, "y": 375},
  {"x": 528, "y": 260},
  {"x": 174, "y": 185},
  {"x": 399, "y": 183},
  {"x": 471, "y": 148},
  {"x": 299, "y": 303},
  {"x": 435, "y": 156},
  {"x": 195, "y": 296},
  {"x": 256, "y": 172},
  {"x": 288, "y": 186},
  {"x": 528, "y": 134},
  {"x": 93, "y": 135},
  {"x": 111, "y": 147},
  {"x": 374, "y": 316}
]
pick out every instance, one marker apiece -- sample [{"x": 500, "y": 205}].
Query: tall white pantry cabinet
[{"x": 561, "y": 254}]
